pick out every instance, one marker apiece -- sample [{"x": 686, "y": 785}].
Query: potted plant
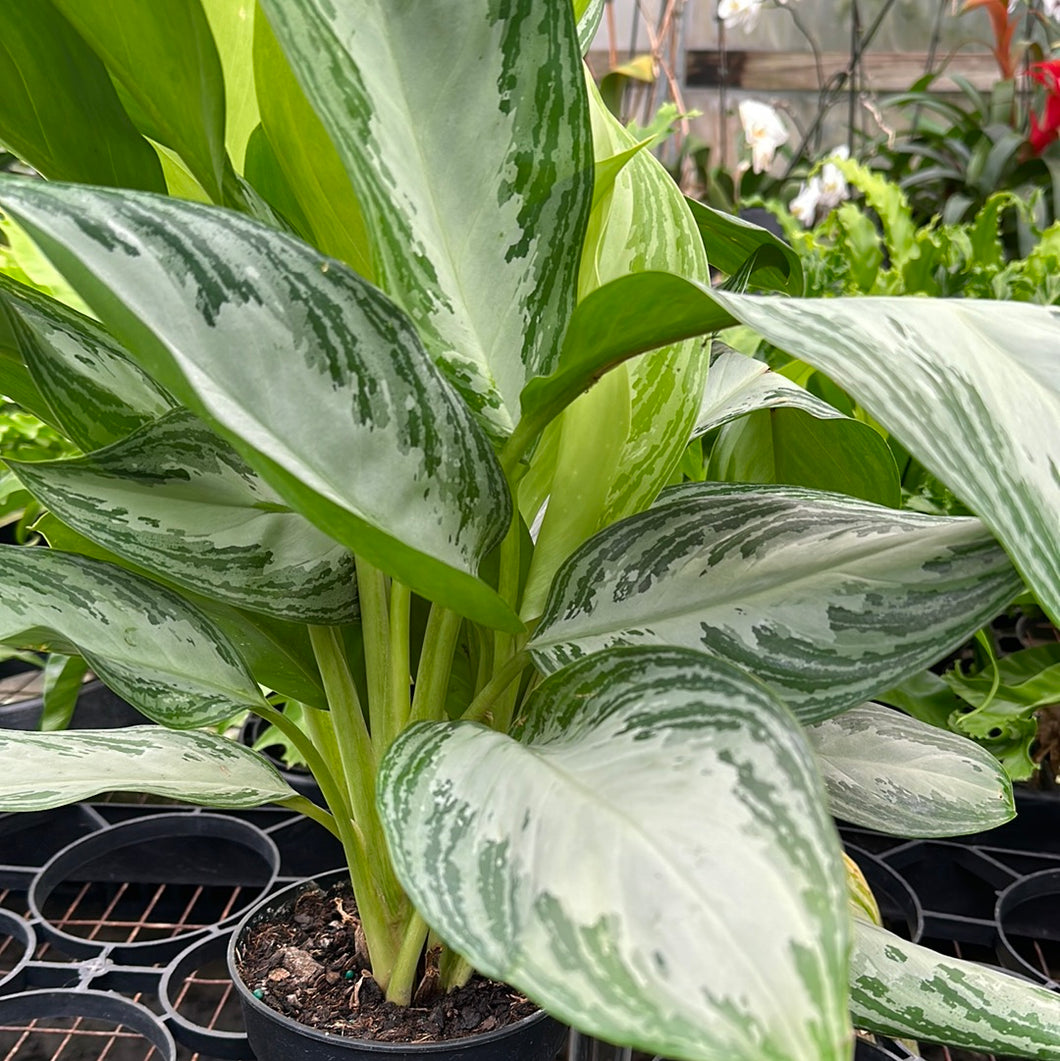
[{"x": 320, "y": 409}]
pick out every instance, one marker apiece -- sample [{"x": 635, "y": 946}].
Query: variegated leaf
[
  {"x": 971, "y": 388},
  {"x": 277, "y": 653},
  {"x": 828, "y": 599},
  {"x": 96, "y": 393},
  {"x": 739, "y": 385},
  {"x": 588, "y": 14},
  {"x": 652, "y": 862},
  {"x": 621, "y": 440},
  {"x": 895, "y": 774},
  {"x": 902, "y": 989},
  {"x": 784, "y": 434},
  {"x": 46, "y": 770},
  {"x": 315, "y": 377},
  {"x": 176, "y": 500},
  {"x": 477, "y": 220},
  {"x": 150, "y": 646}
]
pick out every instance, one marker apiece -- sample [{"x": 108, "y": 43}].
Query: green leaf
[
  {"x": 616, "y": 322},
  {"x": 232, "y": 26},
  {"x": 827, "y": 599},
  {"x": 63, "y": 676},
  {"x": 61, "y": 113},
  {"x": 150, "y": 646},
  {"x": 787, "y": 435},
  {"x": 46, "y": 770},
  {"x": 588, "y": 14},
  {"x": 490, "y": 289},
  {"x": 93, "y": 391},
  {"x": 902, "y": 989},
  {"x": 730, "y": 241},
  {"x": 971, "y": 389},
  {"x": 174, "y": 498},
  {"x": 165, "y": 61},
  {"x": 307, "y": 158},
  {"x": 334, "y": 403},
  {"x": 640, "y": 222},
  {"x": 702, "y": 917},
  {"x": 739, "y": 384},
  {"x": 892, "y": 773},
  {"x": 278, "y": 654}
]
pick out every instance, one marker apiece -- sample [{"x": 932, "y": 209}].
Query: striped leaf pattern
[
  {"x": 315, "y": 377},
  {"x": 652, "y": 861},
  {"x": 827, "y": 599},
  {"x": 176, "y": 500},
  {"x": 476, "y": 189},
  {"x": 902, "y": 989},
  {"x": 46, "y": 770},
  {"x": 150, "y": 646},
  {"x": 898, "y": 775},
  {"x": 95, "y": 392},
  {"x": 739, "y": 385},
  {"x": 972, "y": 389}
]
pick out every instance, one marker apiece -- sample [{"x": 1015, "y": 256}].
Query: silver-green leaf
[
  {"x": 652, "y": 861},
  {"x": 898, "y": 775},
  {"x": 828, "y": 599},
  {"x": 46, "y": 770},
  {"x": 902, "y": 989},
  {"x": 970, "y": 388},
  {"x": 317, "y": 379},
  {"x": 176, "y": 500},
  {"x": 150, "y": 646},
  {"x": 476, "y": 220},
  {"x": 95, "y": 392}
]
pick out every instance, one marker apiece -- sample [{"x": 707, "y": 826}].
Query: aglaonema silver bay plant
[{"x": 413, "y": 290}]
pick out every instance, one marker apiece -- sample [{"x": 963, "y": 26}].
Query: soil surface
[{"x": 310, "y": 965}]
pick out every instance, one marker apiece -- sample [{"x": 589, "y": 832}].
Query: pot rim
[{"x": 248, "y": 998}]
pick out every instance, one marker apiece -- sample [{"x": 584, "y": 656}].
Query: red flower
[{"x": 1046, "y": 128}]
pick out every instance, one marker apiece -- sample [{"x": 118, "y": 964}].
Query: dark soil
[{"x": 310, "y": 965}]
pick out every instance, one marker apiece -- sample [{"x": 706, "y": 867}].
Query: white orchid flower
[
  {"x": 833, "y": 185},
  {"x": 764, "y": 131},
  {"x": 740, "y": 13},
  {"x": 804, "y": 206}
]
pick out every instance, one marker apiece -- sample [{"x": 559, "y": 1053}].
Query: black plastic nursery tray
[{"x": 114, "y": 919}]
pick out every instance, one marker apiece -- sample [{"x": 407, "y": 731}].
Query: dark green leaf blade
[
  {"x": 61, "y": 113},
  {"x": 164, "y": 57},
  {"x": 731, "y": 241}
]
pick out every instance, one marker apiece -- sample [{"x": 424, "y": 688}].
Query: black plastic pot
[
  {"x": 274, "y": 1037},
  {"x": 97, "y": 708}
]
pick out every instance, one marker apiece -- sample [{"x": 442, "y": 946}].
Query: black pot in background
[
  {"x": 300, "y": 779},
  {"x": 21, "y": 704},
  {"x": 274, "y": 1037}
]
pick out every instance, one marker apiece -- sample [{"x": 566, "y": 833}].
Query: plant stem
[
  {"x": 375, "y": 918},
  {"x": 505, "y": 644},
  {"x": 500, "y": 681},
  {"x": 436, "y": 661},
  {"x": 400, "y": 707},
  {"x": 403, "y": 974},
  {"x": 457, "y": 972},
  {"x": 374, "y": 881},
  {"x": 307, "y": 807},
  {"x": 375, "y": 624}
]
